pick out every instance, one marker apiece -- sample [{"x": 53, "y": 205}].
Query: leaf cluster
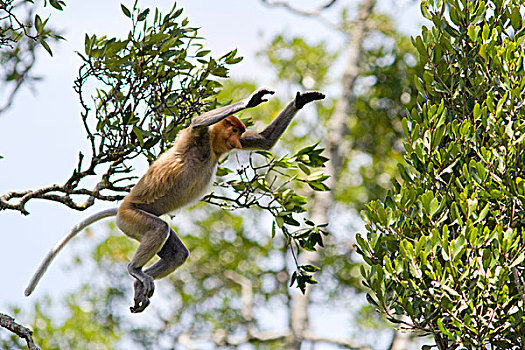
[
  {"x": 272, "y": 183},
  {"x": 22, "y": 33}
]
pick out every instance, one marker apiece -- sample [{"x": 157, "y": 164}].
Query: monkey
[{"x": 176, "y": 178}]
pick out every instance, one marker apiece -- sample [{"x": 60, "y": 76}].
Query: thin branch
[
  {"x": 9, "y": 323},
  {"x": 222, "y": 338},
  {"x": 315, "y": 12},
  {"x": 519, "y": 284},
  {"x": 348, "y": 344}
]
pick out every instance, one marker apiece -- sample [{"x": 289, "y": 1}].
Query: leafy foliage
[
  {"x": 87, "y": 324},
  {"x": 446, "y": 246},
  {"x": 373, "y": 131},
  {"x": 22, "y": 32},
  {"x": 383, "y": 93},
  {"x": 269, "y": 185},
  {"x": 299, "y": 62},
  {"x": 144, "y": 89},
  {"x": 148, "y": 85}
]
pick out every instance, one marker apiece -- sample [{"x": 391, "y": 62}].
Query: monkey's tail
[{"x": 53, "y": 252}]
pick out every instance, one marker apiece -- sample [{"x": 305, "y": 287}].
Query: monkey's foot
[
  {"x": 139, "y": 306},
  {"x": 144, "y": 282},
  {"x": 140, "y": 298}
]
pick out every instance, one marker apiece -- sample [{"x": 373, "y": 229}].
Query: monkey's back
[{"x": 178, "y": 177}]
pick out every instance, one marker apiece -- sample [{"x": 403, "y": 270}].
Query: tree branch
[
  {"x": 315, "y": 12},
  {"x": 519, "y": 284},
  {"x": 9, "y": 323},
  {"x": 337, "y": 146}
]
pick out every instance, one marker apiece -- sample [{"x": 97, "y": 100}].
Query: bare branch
[
  {"x": 519, "y": 284},
  {"x": 222, "y": 338},
  {"x": 348, "y": 344},
  {"x": 9, "y": 323},
  {"x": 65, "y": 194},
  {"x": 315, "y": 12}
]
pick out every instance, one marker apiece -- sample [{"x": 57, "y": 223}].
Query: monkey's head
[{"x": 226, "y": 135}]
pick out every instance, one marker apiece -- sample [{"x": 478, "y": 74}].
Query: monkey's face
[{"x": 226, "y": 135}]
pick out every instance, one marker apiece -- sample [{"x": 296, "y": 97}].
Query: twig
[
  {"x": 315, "y": 12},
  {"x": 9, "y": 323},
  {"x": 312, "y": 13},
  {"x": 519, "y": 284}
]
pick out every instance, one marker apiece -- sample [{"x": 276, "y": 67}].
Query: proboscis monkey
[{"x": 180, "y": 176}]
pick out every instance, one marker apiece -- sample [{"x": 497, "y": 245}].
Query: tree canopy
[{"x": 446, "y": 246}]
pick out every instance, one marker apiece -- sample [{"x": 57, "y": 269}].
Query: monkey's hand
[
  {"x": 257, "y": 97},
  {"x": 303, "y": 98}
]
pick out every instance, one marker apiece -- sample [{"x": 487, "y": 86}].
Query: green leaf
[
  {"x": 59, "y": 5},
  {"x": 293, "y": 278},
  {"x": 38, "y": 24},
  {"x": 515, "y": 18},
  {"x": 222, "y": 171},
  {"x": 473, "y": 31},
  {"x": 404, "y": 124},
  {"x": 483, "y": 213},
  {"x": 143, "y": 15},
  {"x": 265, "y": 154},
  {"x": 518, "y": 260},
  {"x": 138, "y": 133},
  {"x": 202, "y": 53},
  {"x": 304, "y": 168},
  {"x": 309, "y": 268},
  {"x": 46, "y": 46},
  {"x": 485, "y": 33},
  {"x": 125, "y": 10}
]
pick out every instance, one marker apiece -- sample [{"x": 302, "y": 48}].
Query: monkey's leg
[
  {"x": 152, "y": 233},
  {"x": 150, "y": 244},
  {"x": 172, "y": 255}
]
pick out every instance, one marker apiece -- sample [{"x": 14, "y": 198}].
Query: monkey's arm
[
  {"x": 269, "y": 136},
  {"x": 215, "y": 116},
  {"x": 53, "y": 252}
]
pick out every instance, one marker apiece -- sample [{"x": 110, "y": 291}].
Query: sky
[{"x": 41, "y": 135}]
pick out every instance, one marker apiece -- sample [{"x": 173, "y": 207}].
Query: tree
[
  {"x": 367, "y": 122},
  {"x": 445, "y": 248}
]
